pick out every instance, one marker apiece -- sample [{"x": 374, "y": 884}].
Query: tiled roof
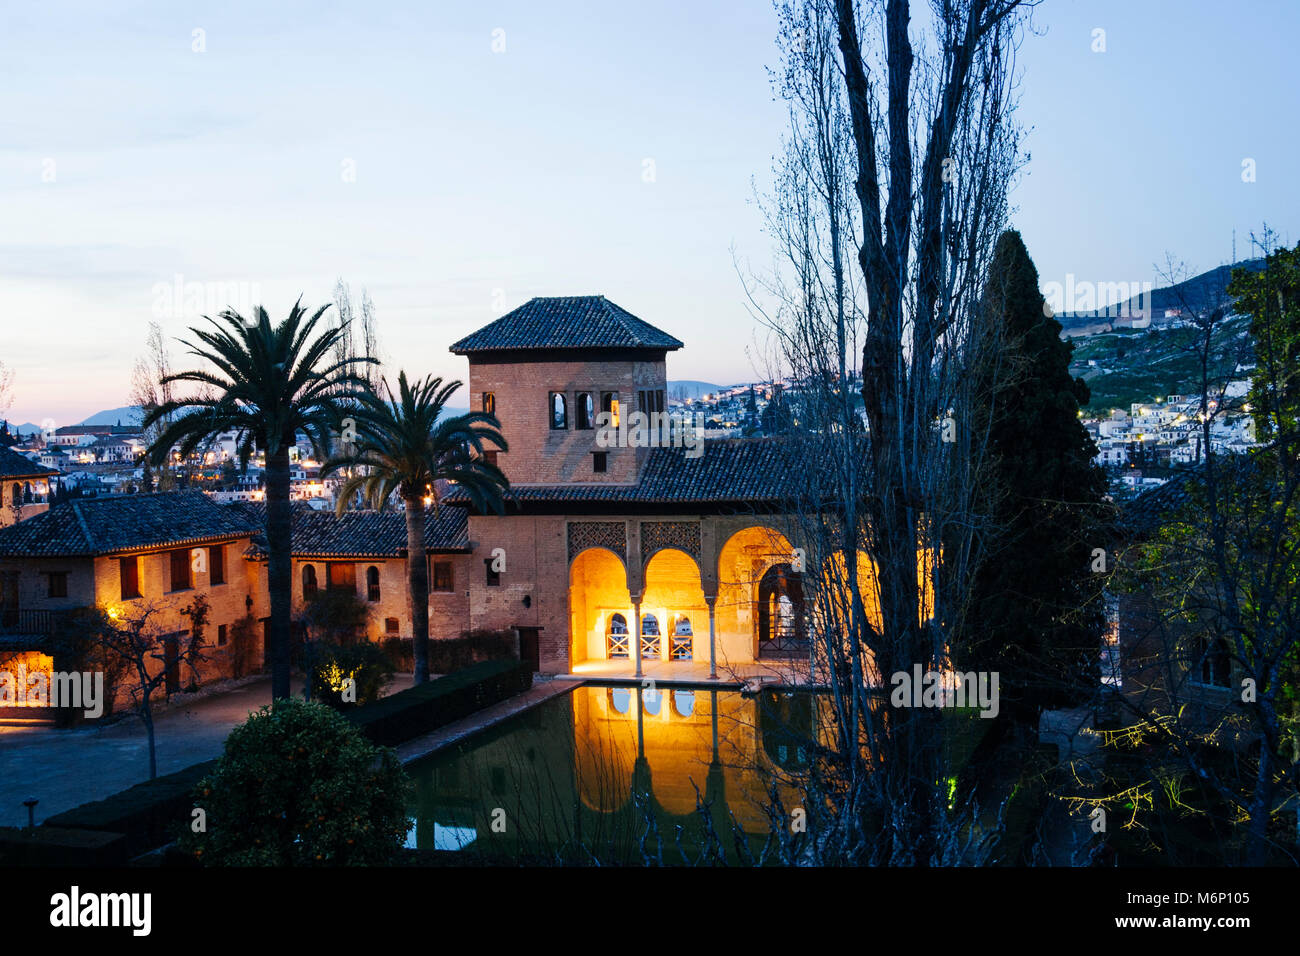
[
  {"x": 567, "y": 322},
  {"x": 729, "y": 471},
  {"x": 1148, "y": 511},
  {"x": 14, "y": 465},
  {"x": 94, "y": 526},
  {"x": 365, "y": 534}
]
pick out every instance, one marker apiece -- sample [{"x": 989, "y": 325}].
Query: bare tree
[
  {"x": 900, "y": 158},
  {"x": 150, "y": 389},
  {"x": 134, "y": 642}
]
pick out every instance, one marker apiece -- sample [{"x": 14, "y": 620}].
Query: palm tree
[
  {"x": 268, "y": 383},
  {"x": 401, "y": 446}
]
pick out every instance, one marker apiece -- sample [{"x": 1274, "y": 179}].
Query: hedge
[
  {"x": 146, "y": 814},
  {"x": 410, "y": 713}
]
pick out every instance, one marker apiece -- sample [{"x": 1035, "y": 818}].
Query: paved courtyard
[{"x": 66, "y": 768}]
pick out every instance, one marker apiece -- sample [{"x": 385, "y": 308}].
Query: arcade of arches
[{"x": 750, "y": 584}]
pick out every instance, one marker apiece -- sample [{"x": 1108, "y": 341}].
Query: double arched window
[
  {"x": 650, "y": 637},
  {"x": 616, "y": 639}
]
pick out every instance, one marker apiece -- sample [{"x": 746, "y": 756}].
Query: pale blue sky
[{"x": 483, "y": 178}]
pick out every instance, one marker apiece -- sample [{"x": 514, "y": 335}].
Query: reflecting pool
[{"x": 615, "y": 774}]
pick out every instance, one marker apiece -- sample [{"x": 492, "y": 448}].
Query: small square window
[
  {"x": 491, "y": 458},
  {"x": 493, "y": 576},
  {"x": 222, "y": 635},
  {"x": 391, "y": 625},
  {"x": 442, "y": 581},
  {"x": 58, "y": 584},
  {"x": 599, "y": 461}
]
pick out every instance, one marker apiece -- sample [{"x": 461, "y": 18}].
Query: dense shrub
[
  {"x": 448, "y": 655},
  {"x": 149, "y": 814},
  {"x": 330, "y": 666},
  {"x": 426, "y": 707},
  {"x": 299, "y": 785}
]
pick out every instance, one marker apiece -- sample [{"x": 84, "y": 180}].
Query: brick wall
[{"x": 541, "y": 455}]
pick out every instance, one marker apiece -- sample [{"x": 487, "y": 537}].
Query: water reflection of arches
[
  {"x": 598, "y": 598},
  {"x": 786, "y": 727}
]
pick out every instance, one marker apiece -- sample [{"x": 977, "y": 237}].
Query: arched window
[
  {"x": 620, "y": 698},
  {"x": 586, "y": 411},
  {"x": 650, "y": 637},
  {"x": 559, "y": 411},
  {"x": 781, "y": 613},
  {"x": 27, "y": 493},
  {"x": 683, "y": 638},
  {"x": 18, "y": 493},
  {"x": 616, "y": 639},
  {"x": 308, "y": 581},
  {"x": 372, "y": 583}
]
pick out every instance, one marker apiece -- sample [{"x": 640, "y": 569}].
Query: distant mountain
[
  {"x": 679, "y": 388},
  {"x": 1204, "y": 287},
  {"x": 127, "y": 415}
]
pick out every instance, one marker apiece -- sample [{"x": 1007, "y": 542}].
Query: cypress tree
[{"x": 1037, "y": 607}]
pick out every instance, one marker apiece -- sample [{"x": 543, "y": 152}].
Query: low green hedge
[
  {"x": 148, "y": 814},
  {"x": 410, "y": 713}
]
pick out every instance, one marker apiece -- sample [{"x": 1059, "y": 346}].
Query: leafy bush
[
  {"x": 426, "y": 707},
  {"x": 335, "y": 616},
  {"x": 298, "y": 785},
  {"x": 331, "y": 666},
  {"x": 149, "y": 814},
  {"x": 448, "y": 655}
]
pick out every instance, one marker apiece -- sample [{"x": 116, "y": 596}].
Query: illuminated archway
[
  {"x": 743, "y": 561},
  {"x": 674, "y": 593},
  {"x": 597, "y": 592}
]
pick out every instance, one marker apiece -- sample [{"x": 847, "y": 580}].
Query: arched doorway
[
  {"x": 600, "y": 607},
  {"x": 743, "y": 565},
  {"x": 780, "y": 613},
  {"x": 674, "y": 597}
]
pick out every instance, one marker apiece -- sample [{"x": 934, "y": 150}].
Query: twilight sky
[{"x": 388, "y": 143}]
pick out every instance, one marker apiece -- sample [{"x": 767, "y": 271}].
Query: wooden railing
[{"x": 24, "y": 621}]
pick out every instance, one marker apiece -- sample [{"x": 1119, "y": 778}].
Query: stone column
[
  {"x": 636, "y": 631},
  {"x": 710, "y": 600}
]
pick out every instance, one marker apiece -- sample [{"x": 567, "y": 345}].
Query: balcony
[{"x": 22, "y": 622}]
